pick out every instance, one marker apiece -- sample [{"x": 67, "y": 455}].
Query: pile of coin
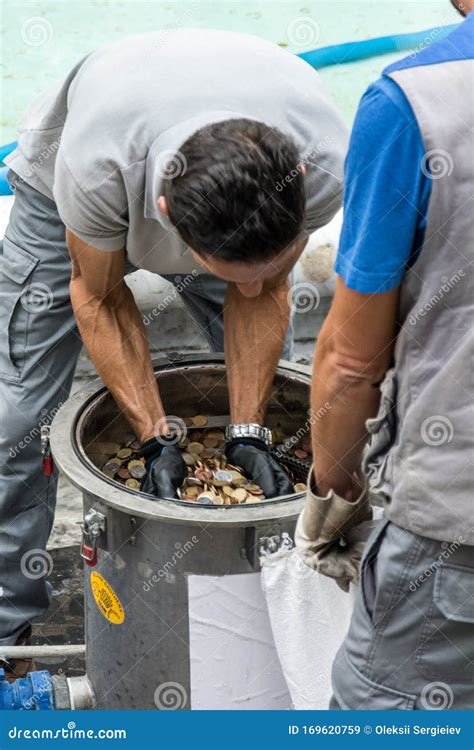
[
  {"x": 124, "y": 465},
  {"x": 211, "y": 480}
]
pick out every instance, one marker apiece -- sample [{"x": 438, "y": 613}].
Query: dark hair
[{"x": 233, "y": 197}]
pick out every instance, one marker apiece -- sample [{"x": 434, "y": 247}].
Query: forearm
[
  {"x": 114, "y": 335},
  {"x": 342, "y": 400},
  {"x": 255, "y": 330}
]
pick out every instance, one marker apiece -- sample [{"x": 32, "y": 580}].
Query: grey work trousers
[
  {"x": 410, "y": 644},
  {"x": 39, "y": 347}
]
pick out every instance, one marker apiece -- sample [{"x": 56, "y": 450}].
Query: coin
[
  {"x": 138, "y": 471},
  {"x": 299, "y": 487},
  {"x": 227, "y": 490},
  {"x": 200, "y": 420},
  {"x": 205, "y": 497},
  {"x": 132, "y": 484},
  {"x": 203, "y": 474},
  {"x": 222, "y": 475},
  {"x": 216, "y": 435},
  {"x": 254, "y": 489},
  {"x": 205, "y": 454},
  {"x": 192, "y": 491},
  {"x": 110, "y": 469},
  {"x": 124, "y": 473},
  {"x": 237, "y": 477},
  {"x": 210, "y": 442},
  {"x": 240, "y": 495},
  {"x": 299, "y": 453},
  {"x": 195, "y": 447},
  {"x": 194, "y": 482},
  {"x": 124, "y": 453},
  {"x": 189, "y": 459},
  {"x": 134, "y": 445}
]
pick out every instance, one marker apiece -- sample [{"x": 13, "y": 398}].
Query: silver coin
[{"x": 223, "y": 476}]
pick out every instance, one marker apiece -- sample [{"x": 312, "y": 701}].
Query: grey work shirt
[{"x": 98, "y": 142}]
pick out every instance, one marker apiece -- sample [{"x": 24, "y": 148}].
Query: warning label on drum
[{"x": 106, "y": 599}]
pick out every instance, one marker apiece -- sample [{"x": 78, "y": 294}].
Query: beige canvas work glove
[{"x": 331, "y": 533}]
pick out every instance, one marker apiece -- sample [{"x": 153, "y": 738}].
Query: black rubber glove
[
  {"x": 165, "y": 468},
  {"x": 259, "y": 466}
]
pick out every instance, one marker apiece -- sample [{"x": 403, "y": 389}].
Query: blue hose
[
  {"x": 336, "y": 54},
  {"x": 5, "y": 188}
]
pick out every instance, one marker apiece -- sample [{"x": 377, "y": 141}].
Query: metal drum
[{"x": 145, "y": 551}]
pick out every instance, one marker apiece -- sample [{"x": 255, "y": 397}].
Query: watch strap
[{"x": 253, "y": 431}]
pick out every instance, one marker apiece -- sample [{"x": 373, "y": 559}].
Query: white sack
[{"x": 309, "y": 615}]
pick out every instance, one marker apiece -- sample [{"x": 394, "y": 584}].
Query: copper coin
[
  {"x": 299, "y": 453},
  {"x": 200, "y": 420}
]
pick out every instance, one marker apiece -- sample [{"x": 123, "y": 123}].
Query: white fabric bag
[{"x": 309, "y": 615}]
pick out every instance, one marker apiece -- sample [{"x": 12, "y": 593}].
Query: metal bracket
[
  {"x": 94, "y": 525},
  {"x": 259, "y": 539}
]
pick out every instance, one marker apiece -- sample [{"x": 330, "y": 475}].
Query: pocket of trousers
[
  {"x": 368, "y": 569},
  {"x": 446, "y": 645},
  {"x": 16, "y": 302}
]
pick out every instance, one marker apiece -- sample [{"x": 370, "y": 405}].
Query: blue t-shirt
[{"x": 386, "y": 193}]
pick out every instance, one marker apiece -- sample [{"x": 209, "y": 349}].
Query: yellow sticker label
[{"x": 106, "y": 599}]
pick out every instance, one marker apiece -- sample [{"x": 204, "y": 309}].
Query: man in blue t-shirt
[{"x": 394, "y": 361}]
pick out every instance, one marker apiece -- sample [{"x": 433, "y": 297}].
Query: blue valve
[{"x": 31, "y": 693}]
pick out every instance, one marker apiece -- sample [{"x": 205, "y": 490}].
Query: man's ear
[
  {"x": 162, "y": 205},
  {"x": 302, "y": 168}
]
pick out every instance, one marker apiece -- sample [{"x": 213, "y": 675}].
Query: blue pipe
[
  {"x": 335, "y": 54},
  {"x": 7, "y": 149},
  {"x": 5, "y": 188},
  {"x": 31, "y": 693}
]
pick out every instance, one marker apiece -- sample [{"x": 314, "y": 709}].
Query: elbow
[{"x": 345, "y": 370}]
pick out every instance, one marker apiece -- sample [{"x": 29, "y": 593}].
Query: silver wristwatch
[{"x": 235, "y": 431}]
